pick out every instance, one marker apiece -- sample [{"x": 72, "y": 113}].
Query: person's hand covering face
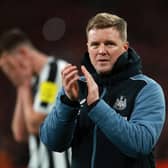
[{"x": 17, "y": 70}]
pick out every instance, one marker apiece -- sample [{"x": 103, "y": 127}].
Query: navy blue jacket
[{"x": 119, "y": 130}]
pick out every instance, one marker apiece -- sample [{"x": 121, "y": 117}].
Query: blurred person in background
[
  {"x": 37, "y": 78},
  {"x": 113, "y": 115}
]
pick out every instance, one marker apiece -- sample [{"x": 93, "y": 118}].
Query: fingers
[
  {"x": 23, "y": 62},
  {"x": 69, "y": 69},
  {"x": 87, "y": 75},
  {"x": 13, "y": 69},
  {"x": 7, "y": 65},
  {"x": 17, "y": 66},
  {"x": 70, "y": 74},
  {"x": 93, "y": 93},
  {"x": 69, "y": 80},
  {"x": 12, "y": 63}
]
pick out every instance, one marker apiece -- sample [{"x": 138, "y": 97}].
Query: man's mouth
[{"x": 103, "y": 60}]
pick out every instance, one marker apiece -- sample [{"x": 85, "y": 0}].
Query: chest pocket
[{"x": 122, "y": 96}]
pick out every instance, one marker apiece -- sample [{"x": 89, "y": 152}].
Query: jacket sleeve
[
  {"x": 139, "y": 135},
  {"x": 56, "y": 132}
]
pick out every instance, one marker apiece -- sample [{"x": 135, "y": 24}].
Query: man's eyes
[
  {"x": 94, "y": 44},
  {"x": 105, "y": 44},
  {"x": 109, "y": 44}
]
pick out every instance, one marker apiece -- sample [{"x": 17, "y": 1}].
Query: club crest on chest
[{"x": 120, "y": 103}]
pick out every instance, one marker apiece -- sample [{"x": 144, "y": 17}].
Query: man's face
[
  {"x": 14, "y": 67},
  {"x": 104, "y": 47}
]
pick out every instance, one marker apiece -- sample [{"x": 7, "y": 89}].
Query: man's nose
[{"x": 102, "y": 49}]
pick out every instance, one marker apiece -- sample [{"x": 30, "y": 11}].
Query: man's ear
[
  {"x": 87, "y": 45},
  {"x": 126, "y": 45}
]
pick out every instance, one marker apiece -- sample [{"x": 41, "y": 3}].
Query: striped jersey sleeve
[{"x": 49, "y": 82}]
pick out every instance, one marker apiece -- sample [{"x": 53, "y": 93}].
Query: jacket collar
[{"x": 127, "y": 65}]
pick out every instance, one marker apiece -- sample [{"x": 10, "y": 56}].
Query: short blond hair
[{"x": 107, "y": 20}]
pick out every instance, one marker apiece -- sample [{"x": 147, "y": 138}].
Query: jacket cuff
[
  {"x": 69, "y": 102},
  {"x": 93, "y": 104}
]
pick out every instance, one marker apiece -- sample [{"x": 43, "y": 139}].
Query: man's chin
[{"x": 103, "y": 71}]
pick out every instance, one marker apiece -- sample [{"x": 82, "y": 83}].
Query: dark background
[{"x": 58, "y": 28}]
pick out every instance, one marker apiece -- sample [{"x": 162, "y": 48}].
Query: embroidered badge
[{"x": 120, "y": 103}]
